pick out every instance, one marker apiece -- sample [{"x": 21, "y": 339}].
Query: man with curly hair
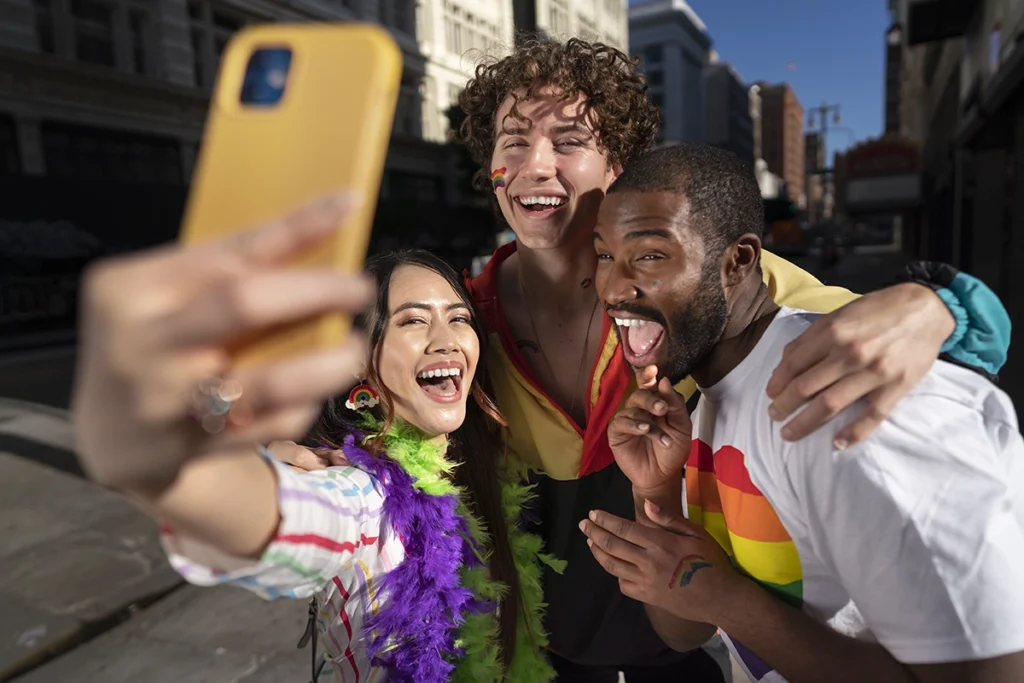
[{"x": 552, "y": 126}]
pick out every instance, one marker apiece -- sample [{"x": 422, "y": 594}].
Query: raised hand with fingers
[
  {"x": 156, "y": 332},
  {"x": 650, "y": 437}
]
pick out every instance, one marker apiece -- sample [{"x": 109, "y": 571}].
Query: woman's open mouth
[
  {"x": 442, "y": 382},
  {"x": 641, "y": 340}
]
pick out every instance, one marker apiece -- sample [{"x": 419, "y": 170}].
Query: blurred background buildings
[{"x": 102, "y": 105}]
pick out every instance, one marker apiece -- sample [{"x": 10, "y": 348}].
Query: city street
[
  {"x": 45, "y": 376},
  {"x": 858, "y": 272},
  {"x": 42, "y": 376},
  {"x": 872, "y": 123},
  {"x": 86, "y": 591}
]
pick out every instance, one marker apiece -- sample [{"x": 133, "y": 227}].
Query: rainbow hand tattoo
[{"x": 687, "y": 567}]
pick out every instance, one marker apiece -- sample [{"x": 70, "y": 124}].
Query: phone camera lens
[{"x": 266, "y": 76}]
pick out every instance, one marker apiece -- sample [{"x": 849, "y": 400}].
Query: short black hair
[{"x": 723, "y": 193}]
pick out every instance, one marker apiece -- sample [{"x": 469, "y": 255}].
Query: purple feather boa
[{"x": 413, "y": 635}]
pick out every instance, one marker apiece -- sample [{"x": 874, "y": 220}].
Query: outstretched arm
[{"x": 324, "y": 519}]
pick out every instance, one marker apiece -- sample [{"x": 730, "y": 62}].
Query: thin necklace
[{"x": 586, "y": 343}]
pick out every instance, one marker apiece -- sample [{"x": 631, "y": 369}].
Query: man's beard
[{"x": 693, "y": 331}]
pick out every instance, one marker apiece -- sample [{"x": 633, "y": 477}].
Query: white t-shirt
[{"x": 914, "y": 537}]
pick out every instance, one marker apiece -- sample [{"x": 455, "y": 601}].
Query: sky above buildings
[{"x": 827, "y": 50}]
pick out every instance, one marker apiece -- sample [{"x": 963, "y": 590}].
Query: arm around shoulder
[{"x": 790, "y": 285}]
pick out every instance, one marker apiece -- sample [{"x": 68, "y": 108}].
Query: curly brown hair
[{"x": 615, "y": 91}]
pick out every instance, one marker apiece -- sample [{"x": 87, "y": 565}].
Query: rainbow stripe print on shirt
[{"x": 721, "y": 497}]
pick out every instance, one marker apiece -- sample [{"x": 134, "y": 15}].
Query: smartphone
[{"x": 299, "y": 111}]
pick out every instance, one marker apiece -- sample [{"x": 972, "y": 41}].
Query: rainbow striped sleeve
[
  {"x": 721, "y": 497},
  {"x": 328, "y": 518}
]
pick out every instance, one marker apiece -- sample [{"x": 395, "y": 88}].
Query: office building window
[
  {"x": 414, "y": 187},
  {"x": 558, "y": 18},
  {"x": 587, "y": 28},
  {"x": 44, "y": 26},
  {"x": 655, "y": 77},
  {"x": 652, "y": 54},
  {"x": 409, "y": 110},
  {"x": 399, "y": 14},
  {"x": 464, "y": 31},
  {"x": 99, "y": 31},
  {"x": 93, "y": 31},
  {"x": 211, "y": 28},
  {"x": 138, "y": 32},
  {"x": 86, "y": 153},
  {"x": 10, "y": 163}
]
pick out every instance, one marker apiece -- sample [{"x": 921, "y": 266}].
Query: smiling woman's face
[{"x": 429, "y": 353}]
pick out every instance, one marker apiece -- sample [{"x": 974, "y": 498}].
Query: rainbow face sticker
[
  {"x": 363, "y": 396},
  {"x": 498, "y": 178},
  {"x": 687, "y": 567}
]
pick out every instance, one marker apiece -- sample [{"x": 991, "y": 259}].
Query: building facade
[
  {"x": 103, "y": 105},
  {"x": 150, "y": 65},
  {"x": 962, "y": 99},
  {"x": 782, "y": 138},
  {"x": 729, "y": 124},
  {"x": 674, "y": 48},
  {"x": 604, "y": 21}
]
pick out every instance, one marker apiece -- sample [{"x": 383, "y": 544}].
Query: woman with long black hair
[{"x": 412, "y": 550}]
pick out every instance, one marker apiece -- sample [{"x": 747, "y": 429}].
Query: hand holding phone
[
  {"x": 299, "y": 111},
  {"x": 172, "y": 335},
  {"x": 155, "y": 327}
]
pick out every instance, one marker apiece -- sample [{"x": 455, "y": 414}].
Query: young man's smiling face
[
  {"x": 554, "y": 171},
  {"x": 665, "y": 297}
]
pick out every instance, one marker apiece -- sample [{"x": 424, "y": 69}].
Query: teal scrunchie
[{"x": 982, "y": 335}]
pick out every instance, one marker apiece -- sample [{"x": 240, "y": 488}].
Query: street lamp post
[{"x": 821, "y": 115}]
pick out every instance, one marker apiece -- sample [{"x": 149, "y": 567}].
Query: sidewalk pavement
[{"x": 87, "y": 596}]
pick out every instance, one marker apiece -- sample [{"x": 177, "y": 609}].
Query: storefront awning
[{"x": 883, "y": 193}]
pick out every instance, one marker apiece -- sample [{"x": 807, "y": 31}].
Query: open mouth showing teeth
[
  {"x": 541, "y": 203},
  {"x": 441, "y": 383},
  {"x": 639, "y": 337}
]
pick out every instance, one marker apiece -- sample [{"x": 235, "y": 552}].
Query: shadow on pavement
[{"x": 45, "y": 454}]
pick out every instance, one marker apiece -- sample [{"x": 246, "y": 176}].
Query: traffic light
[{"x": 779, "y": 210}]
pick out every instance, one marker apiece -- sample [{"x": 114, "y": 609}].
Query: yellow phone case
[{"x": 329, "y": 132}]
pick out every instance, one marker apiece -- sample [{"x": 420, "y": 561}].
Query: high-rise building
[
  {"x": 782, "y": 138},
  {"x": 121, "y": 86},
  {"x": 602, "y": 21},
  {"x": 674, "y": 48},
  {"x": 728, "y": 124}
]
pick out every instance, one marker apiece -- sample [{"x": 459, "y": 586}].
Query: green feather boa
[{"x": 478, "y": 634}]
